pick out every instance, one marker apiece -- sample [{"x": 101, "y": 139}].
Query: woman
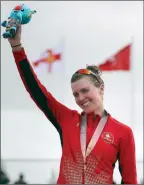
[{"x": 92, "y": 141}]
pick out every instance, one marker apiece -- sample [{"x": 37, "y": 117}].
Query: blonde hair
[{"x": 95, "y": 78}]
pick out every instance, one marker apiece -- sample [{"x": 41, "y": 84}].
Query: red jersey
[{"x": 116, "y": 141}]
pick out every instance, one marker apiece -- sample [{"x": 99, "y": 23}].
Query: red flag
[{"x": 119, "y": 61}]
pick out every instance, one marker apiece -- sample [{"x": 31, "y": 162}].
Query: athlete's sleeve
[
  {"x": 127, "y": 158},
  {"x": 43, "y": 99}
]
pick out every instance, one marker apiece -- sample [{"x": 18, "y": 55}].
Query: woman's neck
[{"x": 99, "y": 111}]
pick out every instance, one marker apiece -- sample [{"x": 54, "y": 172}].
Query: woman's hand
[{"x": 15, "y": 42}]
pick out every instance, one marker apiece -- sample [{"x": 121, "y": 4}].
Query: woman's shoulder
[{"x": 119, "y": 124}]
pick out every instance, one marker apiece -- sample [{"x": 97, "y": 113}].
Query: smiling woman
[
  {"x": 93, "y": 140},
  {"x": 88, "y": 89}
]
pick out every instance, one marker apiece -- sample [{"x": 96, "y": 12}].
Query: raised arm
[
  {"x": 54, "y": 110},
  {"x": 127, "y": 158}
]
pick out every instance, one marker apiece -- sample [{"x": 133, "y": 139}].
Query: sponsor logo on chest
[{"x": 108, "y": 137}]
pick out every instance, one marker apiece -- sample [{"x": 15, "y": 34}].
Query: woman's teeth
[{"x": 86, "y": 104}]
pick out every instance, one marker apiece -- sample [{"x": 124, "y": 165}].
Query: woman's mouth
[{"x": 86, "y": 104}]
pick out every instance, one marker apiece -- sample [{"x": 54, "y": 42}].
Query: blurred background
[{"x": 86, "y": 33}]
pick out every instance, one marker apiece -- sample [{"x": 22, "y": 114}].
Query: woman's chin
[{"x": 88, "y": 110}]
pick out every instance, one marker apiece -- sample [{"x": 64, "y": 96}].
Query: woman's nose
[{"x": 81, "y": 97}]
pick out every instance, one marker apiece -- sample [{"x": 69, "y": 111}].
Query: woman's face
[{"x": 87, "y": 96}]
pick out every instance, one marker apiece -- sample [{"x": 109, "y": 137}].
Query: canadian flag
[
  {"x": 119, "y": 61},
  {"x": 51, "y": 60}
]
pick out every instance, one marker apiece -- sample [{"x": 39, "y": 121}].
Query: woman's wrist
[{"x": 16, "y": 47}]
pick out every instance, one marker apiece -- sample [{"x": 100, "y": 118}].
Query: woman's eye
[
  {"x": 75, "y": 95},
  {"x": 85, "y": 90}
]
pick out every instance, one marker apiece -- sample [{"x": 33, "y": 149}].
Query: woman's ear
[{"x": 102, "y": 89}]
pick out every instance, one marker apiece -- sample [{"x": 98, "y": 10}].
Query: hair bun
[{"x": 95, "y": 69}]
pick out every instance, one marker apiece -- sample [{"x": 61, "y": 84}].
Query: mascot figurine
[{"x": 21, "y": 14}]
